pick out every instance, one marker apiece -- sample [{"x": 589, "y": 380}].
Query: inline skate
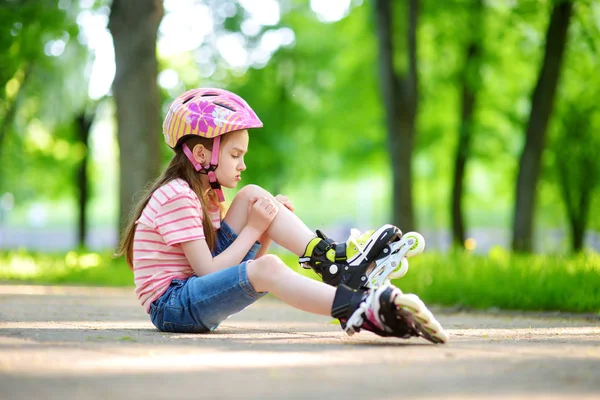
[
  {"x": 364, "y": 260},
  {"x": 386, "y": 311}
]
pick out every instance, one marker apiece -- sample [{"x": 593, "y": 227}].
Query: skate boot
[
  {"x": 392, "y": 261},
  {"x": 347, "y": 263},
  {"x": 386, "y": 311}
]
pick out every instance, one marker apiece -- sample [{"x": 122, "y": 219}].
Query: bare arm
[
  {"x": 260, "y": 215},
  {"x": 202, "y": 261},
  {"x": 265, "y": 241}
]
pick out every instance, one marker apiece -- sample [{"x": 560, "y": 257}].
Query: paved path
[{"x": 91, "y": 343}]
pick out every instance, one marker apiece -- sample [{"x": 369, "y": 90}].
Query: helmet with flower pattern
[{"x": 210, "y": 113}]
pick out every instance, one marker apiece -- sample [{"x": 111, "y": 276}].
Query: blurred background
[{"x": 474, "y": 122}]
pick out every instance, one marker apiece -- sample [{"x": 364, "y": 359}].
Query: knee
[
  {"x": 252, "y": 191},
  {"x": 265, "y": 271}
]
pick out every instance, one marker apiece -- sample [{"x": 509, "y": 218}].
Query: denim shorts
[{"x": 200, "y": 304}]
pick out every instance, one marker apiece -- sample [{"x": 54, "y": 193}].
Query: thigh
[{"x": 212, "y": 298}]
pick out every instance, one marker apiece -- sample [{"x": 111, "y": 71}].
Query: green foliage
[
  {"x": 43, "y": 84},
  {"x": 320, "y": 101},
  {"x": 85, "y": 268},
  {"x": 506, "y": 281},
  {"x": 502, "y": 280}
]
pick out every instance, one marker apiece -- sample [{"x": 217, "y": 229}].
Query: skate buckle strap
[
  {"x": 319, "y": 250},
  {"x": 340, "y": 248},
  {"x": 340, "y": 252},
  {"x": 321, "y": 247}
]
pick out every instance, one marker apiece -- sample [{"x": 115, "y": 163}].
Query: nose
[{"x": 242, "y": 165}]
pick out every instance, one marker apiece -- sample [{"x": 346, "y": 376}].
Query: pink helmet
[{"x": 209, "y": 113}]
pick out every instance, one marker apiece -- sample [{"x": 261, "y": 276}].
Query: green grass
[
  {"x": 506, "y": 281},
  {"x": 499, "y": 279},
  {"x": 77, "y": 268}
]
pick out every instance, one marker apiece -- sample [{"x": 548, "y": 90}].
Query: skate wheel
[
  {"x": 416, "y": 241},
  {"x": 401, "y": 271}
]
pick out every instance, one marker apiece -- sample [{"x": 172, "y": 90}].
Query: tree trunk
[
  {"x": 470, "y": 82},
  {"x": 577, "y": 234},
  {"x": 577, "y": 199},
  {"x": 83, "y": 125},
  {"x": 400, "y": 98},
  {"x": 12, "y": 107},
  {"x": 134, "y": 25},
  {"x": 580, "y": 214},
  {"x": 541, "y": 109}
]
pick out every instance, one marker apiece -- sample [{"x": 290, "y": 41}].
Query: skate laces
[{"x": 355, "y": 235}]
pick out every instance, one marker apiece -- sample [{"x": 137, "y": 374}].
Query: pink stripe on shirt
[
  {"x": 175, "y": 220},
  {"x": 175, "y": 210},
  {"x": 160, "y": 252},
  {"x": 173, "y": 199},
  {"x": 146, "y": 241},
  {"x": 172, "y": 231}
]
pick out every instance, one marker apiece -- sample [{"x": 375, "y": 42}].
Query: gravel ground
[{"x": 97, "y": 343}]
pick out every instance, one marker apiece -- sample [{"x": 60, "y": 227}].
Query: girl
[{"x": 193, "y": 262}]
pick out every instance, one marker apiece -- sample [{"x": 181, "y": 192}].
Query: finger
[{"x": 287, "y": 203}]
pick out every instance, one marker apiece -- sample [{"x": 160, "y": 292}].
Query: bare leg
[
  {"x": 287, "y": 230},
  {"x": 270, "y": 274}
]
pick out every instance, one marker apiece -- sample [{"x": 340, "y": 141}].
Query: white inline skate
[
  {"x": 392, "y": 263},
  {"x": 362, "y": 270},
  {"x": 349, "y": 263},
  {"x": 386, "y": 311}
]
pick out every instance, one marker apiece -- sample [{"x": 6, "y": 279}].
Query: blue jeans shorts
[{"x": 200, "y": 304}]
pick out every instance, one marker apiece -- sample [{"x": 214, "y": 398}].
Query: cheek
[{"x": 226, "y": 166}]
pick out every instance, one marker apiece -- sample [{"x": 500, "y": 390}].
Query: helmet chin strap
[{"x": 210, "y": 170}]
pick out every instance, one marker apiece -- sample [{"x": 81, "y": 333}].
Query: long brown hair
[{"x": 179, "y": 167}]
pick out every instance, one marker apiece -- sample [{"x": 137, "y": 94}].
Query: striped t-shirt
[{"x": 172, "y": 216}]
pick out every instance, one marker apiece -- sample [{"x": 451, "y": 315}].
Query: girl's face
[{"x": 231, "y": 158}]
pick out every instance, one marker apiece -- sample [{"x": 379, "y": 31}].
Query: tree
[
  {"x": 134, "y": 26},
  {"x": 83, "y": 123},
  {"x": 571, "y": 160},
  {"x": 44, "y": 69},
  {"x": 542, "y": 102},
  {"x": 399, "y": 89},
  {"x": 470, "y": 81},
  {"x": 578, "y": 166},
  {"x": 308, "y": 94},
  {"x": 33, "y": 36}
]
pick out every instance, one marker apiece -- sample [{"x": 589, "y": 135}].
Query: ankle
[{"x": 346, "y": 301}]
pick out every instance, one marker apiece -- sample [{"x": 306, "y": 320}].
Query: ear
[{"x": 201, "y": 154}]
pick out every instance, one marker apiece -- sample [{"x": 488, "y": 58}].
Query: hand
[
  {"x": 261, "y": 212},
  {"x": 285, "y": 201}
]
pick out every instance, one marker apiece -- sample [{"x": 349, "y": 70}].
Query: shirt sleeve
[{"x": 179, "y": 219}]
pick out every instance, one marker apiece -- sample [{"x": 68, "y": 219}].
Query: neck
[{"x": 204, "y": 183}]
